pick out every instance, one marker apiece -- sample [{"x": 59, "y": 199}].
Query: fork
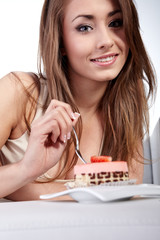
[{"x": 77, "y": 147}]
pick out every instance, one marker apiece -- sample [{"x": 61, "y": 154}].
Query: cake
[{"x": 101, "y": 170}]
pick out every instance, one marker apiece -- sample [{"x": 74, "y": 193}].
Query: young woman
[{"x": 93, "y": 66}]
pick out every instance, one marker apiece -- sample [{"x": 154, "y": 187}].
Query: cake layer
[
  {"x": 99, "y": 178},
  {"x": 119, "y": 166}
]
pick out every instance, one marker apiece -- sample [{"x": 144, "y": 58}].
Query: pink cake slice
[{"x": 101, "y": 172}]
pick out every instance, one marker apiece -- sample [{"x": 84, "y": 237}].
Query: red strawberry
[{"x": 101, "y": 159}]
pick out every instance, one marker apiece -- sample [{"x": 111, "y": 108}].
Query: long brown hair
[{"x": 125, "y": 103}]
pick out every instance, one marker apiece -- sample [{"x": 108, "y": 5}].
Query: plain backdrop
[{"x": 19, "y": 33}]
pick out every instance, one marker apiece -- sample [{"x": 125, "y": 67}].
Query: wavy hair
[{"x": 124, "y": 106}]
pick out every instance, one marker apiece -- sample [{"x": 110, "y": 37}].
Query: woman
[{"x": 92, "y": 70}]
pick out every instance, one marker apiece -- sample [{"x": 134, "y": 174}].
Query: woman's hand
[{"x": 48, "y": 138}]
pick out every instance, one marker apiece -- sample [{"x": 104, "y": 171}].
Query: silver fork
[{"x": 77, "y": 147}]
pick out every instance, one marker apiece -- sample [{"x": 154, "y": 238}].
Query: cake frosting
[{"x": 96, "y": 173}]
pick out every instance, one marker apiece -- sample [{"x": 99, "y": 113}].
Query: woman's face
[{"x": 94, "y": 39}]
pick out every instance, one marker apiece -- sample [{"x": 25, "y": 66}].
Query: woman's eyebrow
[
  {"x": 84, "y": 16},
  {"x": 88, "y": 16},
  {"x": 110, "y": 14}
]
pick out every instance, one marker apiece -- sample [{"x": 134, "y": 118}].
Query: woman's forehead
[{"x": 74, "y": 7}]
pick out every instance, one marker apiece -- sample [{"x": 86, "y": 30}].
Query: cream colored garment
[{"x": 14, "y": 149}]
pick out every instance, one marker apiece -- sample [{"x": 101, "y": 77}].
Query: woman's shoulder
[
  {"x": 16, "y": 89},
  {"x": 16, "y": 83},
  {"x": 25, "y": 78}
]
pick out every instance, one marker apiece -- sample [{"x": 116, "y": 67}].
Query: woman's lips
[{"x": 105, "y": 60}]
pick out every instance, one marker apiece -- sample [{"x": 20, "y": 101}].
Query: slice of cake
[{"x": 100, "y": 170}]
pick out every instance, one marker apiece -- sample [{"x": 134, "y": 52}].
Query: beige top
[{"x": 14, "y": 149}]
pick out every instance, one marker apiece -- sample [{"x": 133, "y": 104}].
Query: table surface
[{"x": 39, "y": 219}]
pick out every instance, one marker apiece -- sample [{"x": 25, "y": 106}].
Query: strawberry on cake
[{"x": 100, "y": 170}]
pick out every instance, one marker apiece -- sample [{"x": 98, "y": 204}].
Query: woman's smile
[{"x": 105, "y": 60}]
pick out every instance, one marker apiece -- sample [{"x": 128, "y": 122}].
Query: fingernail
[
  {"x": 75, "y": 115},
  {"x": 64, "y": 138},
  {"x": 68, "y": 135}
]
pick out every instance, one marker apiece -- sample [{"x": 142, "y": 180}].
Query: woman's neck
[{"x": 88, "y": 95}]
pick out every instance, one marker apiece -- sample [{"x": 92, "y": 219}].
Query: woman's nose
[{"x": 104, "y": 38}]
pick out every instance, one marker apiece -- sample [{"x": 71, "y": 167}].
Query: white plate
[{"x": 107, "y": 193}]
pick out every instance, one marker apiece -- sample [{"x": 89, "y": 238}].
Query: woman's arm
[
  {"x": 32, "y": 191},
  {"x": 47, "y": 140},
  {"x": 13, "y": 177}
]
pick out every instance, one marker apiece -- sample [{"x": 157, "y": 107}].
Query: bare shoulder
[
  {"x": 23, "y": 78},
  {"x": 13, "y": 100},
  {"x": 15, "y": 80},
  {"x": 14, "y": 85}
]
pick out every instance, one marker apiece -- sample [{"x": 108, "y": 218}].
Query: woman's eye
[
  {"x": 84, "y": 28},
  {"x": 116, "y": 23}
]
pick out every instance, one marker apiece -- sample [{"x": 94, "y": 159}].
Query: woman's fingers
[
  {"x": 55, "y": 103},
  {"x": 66, "y": 118},
  {"x": 50, "y": 133},
  {"x": 57, "y": 122},
  {"x": 64, "y": 122}
]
